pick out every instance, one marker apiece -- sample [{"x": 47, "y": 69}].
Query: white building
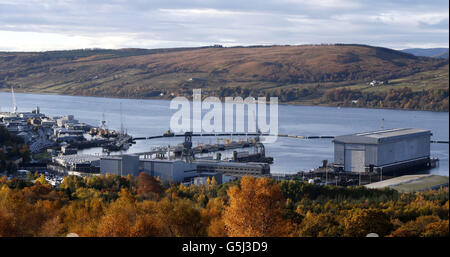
[{"x": 170, "y": 170}]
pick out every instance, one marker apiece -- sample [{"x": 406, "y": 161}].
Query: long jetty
[{"x": 257, "y": 134}]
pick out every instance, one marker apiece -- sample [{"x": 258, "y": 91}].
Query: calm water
[{"x": 152, "y": 117}]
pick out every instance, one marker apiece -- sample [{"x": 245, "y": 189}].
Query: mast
[
  {"x": 258, "y": 131},
  {"x": 103, "y": 122},
  {"x": 14, "y": 100},
  {"x": 121, "y": 120}
]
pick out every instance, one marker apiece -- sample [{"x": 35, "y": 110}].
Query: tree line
[
  {"x": 403, "y": 98},
  {"x": 11, "y": 147},
  {"x": 111, "y": 205}
]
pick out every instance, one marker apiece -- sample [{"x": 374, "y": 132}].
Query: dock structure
[
  {"x": 257, "y": 134},
  {"x": 233, "y": 134},
  {"x": 184, "y": 167},
  {"x": 163, "y": 152}
]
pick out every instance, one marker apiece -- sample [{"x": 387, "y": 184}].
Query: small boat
[{"x": 168, "y": 133}]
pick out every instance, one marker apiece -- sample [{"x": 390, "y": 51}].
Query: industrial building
[
  {"x": 81, "y": 162},
  {"x": 187, "y": 168},
  {"x": 170, "y": 170},
  {"x": 392, "y": 150},
  {"x": 120, "y": 165},
  {"x": 181, "y": 171},
  {"x": 233, "y": 168},
  {"x": 184, "y": 169}
]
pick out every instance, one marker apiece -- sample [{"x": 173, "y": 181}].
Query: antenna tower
[{"x": 14, "y": 100}]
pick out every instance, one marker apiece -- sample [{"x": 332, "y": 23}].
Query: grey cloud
[{"x": 197, "y": 22}]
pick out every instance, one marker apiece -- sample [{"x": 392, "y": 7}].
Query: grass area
[{"x": 435, "y": 79}]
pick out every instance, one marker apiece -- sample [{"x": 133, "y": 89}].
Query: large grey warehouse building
[
  {"x": 120, "y": 165},
  {"x": 170, "y": 170},
  {"x": 385, "y": 150}
]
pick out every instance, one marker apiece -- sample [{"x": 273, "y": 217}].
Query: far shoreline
[{"x": 168, "y": 99}]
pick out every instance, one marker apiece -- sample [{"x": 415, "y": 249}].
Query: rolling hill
[
  {"x": 257, "y": 70},
  {"x": 428, "y": 52}
]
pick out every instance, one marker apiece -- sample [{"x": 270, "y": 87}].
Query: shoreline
[{"x": 280, "y": 103}]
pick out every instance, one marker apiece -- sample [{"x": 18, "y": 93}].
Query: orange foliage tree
[
  {"x": 148, "y": 185},
  {"x": 361, "y": 222},
  {"x": 255, "y": 209},
  {"x": 424, "y": 226}
]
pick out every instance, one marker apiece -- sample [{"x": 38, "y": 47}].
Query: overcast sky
[{"x": 37, "y": 25}]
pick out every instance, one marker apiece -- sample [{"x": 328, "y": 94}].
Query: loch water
[{"x": 143, "y": 118}]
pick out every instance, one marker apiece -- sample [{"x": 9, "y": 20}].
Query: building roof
[
  {"x": 111, "y": 158},
  {"x": 381, "y": 136},
  {"x": 77, "y": 158},
  {"x": 117, "y": 157},
  {"x": 228, "y": 163},
  {"x": 161, "y": 160}
]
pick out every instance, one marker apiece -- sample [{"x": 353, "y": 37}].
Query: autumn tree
[
  {"x": 52, "y": 227},
  {"x": 119, "y": 218},
  {"x": 95, "y": 182},
  {"x": 255, "y": 209},
  {"x": 180, "y": 217},
  {"x": 361, "y": 222},
  {"x": 16, "y": 214},
  {"x": 423, "y": 226},
  {"x": 437, "y": 229},
  {"x": 41, "y": 180},
  {"x": 148, "y": 185},
  {"x": 83, "y": 216},
  {"x": 212, "y": 216},
  {"x": 71, "y": 183},
  {"x": 147, "y": 224},
  {"x": 111, "y": 206},
  {"x": 217, "y": 228},
  {"x": 319, "y": 225}
]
